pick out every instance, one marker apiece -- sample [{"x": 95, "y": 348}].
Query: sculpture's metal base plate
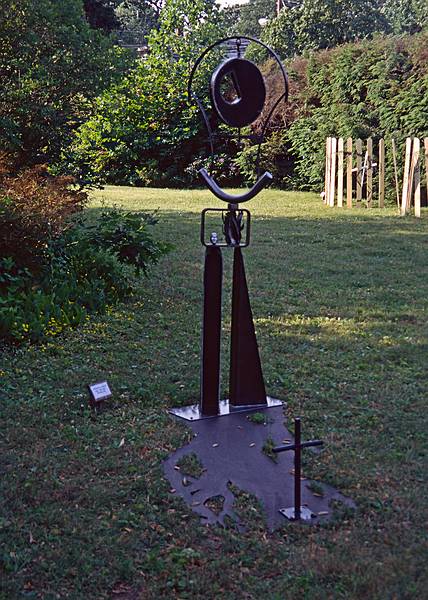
[
  {"x": 231, "y": 452},
  {"x": 305, "y": 514},
  {"x": 193, "y": 412}
]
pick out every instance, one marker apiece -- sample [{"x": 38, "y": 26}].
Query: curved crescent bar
[{"x": 262, "y": 182}]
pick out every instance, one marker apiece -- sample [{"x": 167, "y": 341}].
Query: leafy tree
[
  {"x": 143, "y": 130},
  {"x": 138, "y": 15},
  {"x": 51, "y": 64},
  {"x": 317, "y": 24},
  {"x": 245, "y": 18},
  {"x": 406, "y": 16}
]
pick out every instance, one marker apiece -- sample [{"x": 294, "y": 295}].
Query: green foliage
[
  {"x": 259, "y": 418},
  {"x": 126, "y": 235},
  {"x": 271, "y": 159},
  {"x": 190, "y": 464},
  {"x": 86, "y": 269},
  {"x": 406, "y": 16},
  {"x": 51, "y": 64},
  {"x": 267, "y": 449},
  {"x": 377, "y": 88},
  {"x": 100, "y": 15},
  {"x": 222, "y": 167},
  {"x": 139, "y": 125},
  {"x": 138, "y": 15},
  {"x": 244, "y": 19},
  {"x": 315, "y": 24}
]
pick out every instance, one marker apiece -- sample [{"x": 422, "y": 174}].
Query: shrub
[
  {"x": 86, "y": 268},
  {"x": 35, "y": 208},
  {"x": 376, "y": 88}
]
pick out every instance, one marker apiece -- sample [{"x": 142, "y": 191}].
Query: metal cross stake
[{"x": 297, "y": 512}]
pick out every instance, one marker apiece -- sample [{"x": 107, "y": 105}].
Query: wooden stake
[
  {"x": 359, "y": 149},
  {"x": 327, "y": 170},
  {"x": 406, "y": 176},
  {"x": 340, "y": 148},
  {"x": 369, "y": 173},
  {"x": 417, "y": 176},
  {"x": 333, "y": 171},
  {"x": 397, "y": 185},
  {"x": 381, "y": 199},
  {"x": 410, "y": 186},
  {"x": 426, "y": 161},
  {"x": 349, "y": 172}
]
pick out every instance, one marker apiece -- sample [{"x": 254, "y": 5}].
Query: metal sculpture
[
  {"x": 297, "y": 512},
  {"x": 246, "y": 386},
  {"x": 234, "y": 450}
]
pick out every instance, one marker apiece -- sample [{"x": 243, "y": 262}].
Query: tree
[
  {"x": 406, "y": 16},
  {"x": 141, "y": 15},
  {"x": 143, "y": 130},
  {"x": 245, "y": 18},
  {"x": 51, "y": 64},
  {"x": 318, "y": 24}
]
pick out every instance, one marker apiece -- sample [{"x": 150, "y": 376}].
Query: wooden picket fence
[{"x": 350, "y": 166}]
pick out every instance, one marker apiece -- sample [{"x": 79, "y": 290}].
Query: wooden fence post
[
  {"x": 406, "y": 176},
  {"x": 426, "y": 161},
  {"x": 397, "y": 185},
  {"x": 359, "y": 149},
  {"x": 340, "y": 172},
  {"x": 349, "y": 172},
  {"x": 381, "y": 198},
  {"x": 333, "y": 171},
  {"x": 417, "y": 176},
  {"x": 369, "y": 172},
  {"x": 327, "y": 171}
]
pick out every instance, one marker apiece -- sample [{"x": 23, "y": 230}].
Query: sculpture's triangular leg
[
  {"x": 210, "y": 376},
  {"x": 247, "y": 386}
]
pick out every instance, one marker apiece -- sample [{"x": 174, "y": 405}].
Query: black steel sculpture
[
  {"x": 232, "y": 451},
  {"x": 246, "y": 385}
]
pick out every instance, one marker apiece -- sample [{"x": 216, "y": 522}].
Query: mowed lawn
[{"x": 340, "y": 303}]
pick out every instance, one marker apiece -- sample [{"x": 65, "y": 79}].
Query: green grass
[{"x": 339, "y": 300}]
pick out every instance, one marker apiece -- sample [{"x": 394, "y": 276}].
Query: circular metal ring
[{"x": 249, "y": 87}]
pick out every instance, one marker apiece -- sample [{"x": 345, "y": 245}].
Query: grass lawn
[{"x": 340, "y": 304}]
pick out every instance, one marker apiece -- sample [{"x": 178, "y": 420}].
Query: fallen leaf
[
  {"x": 121, "y": 443},
  {"x": 32, "y": 540},
  {"x": 215, "y": 445},
  {"x": 252, "y": 444},
  {"x": 322, "y": 513}
]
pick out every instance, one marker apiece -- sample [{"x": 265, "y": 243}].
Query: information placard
[{"x": 99, "y": 391}]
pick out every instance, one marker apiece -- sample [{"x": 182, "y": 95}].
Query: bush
[
  {"x": 377, "y": 88},
  {"x": 56, "y": 269},
  {"x": 35, "y": 208}
]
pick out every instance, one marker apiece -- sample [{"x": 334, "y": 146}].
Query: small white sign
[{"x": 100, "y": 391}]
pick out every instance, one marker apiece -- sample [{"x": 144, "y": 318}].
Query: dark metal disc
[{"x": 250, "y": 92}]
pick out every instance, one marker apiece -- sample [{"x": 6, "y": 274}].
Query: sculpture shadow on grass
[{"x": 231, "y": 450}]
